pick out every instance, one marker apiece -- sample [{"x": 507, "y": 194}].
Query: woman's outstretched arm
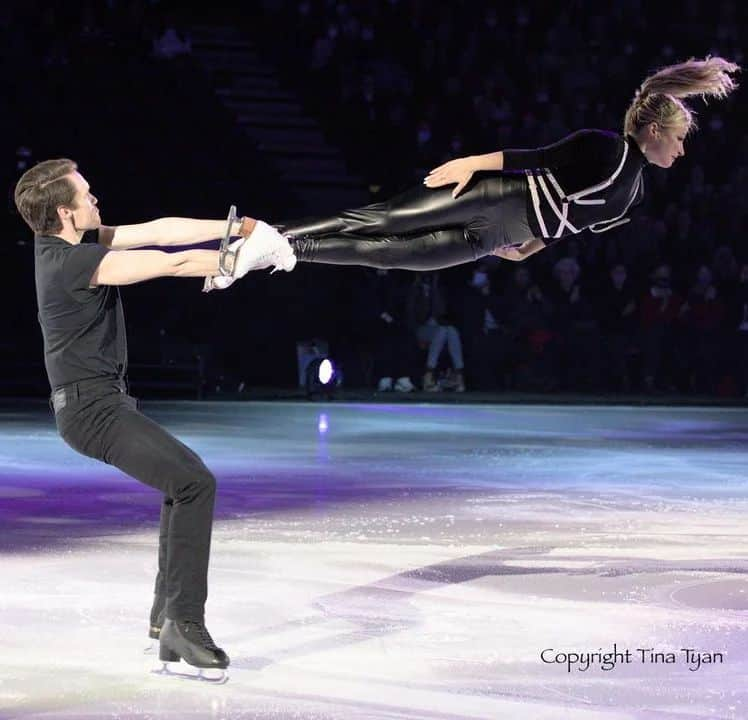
[
  {"x": 461, "y": 170},
  {"x": 582, "y": 143}
]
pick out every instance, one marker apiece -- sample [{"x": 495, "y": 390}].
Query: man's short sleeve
[{"x": 79, "y": 266}]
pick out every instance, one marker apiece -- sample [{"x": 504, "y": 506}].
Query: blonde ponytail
[{"x": 658, "y": 99}]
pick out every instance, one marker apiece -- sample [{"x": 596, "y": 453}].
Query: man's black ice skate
[{"x": 190, "y": 641}]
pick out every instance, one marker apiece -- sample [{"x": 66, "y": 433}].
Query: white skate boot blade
[
  {"x": 183, "y": 671},
  {"x": 151, "y": 649}
]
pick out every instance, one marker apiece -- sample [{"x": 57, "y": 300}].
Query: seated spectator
[
  {"x": 427, "y": 314},
  {"x": 617, "y": 319},
  {"x": 576, "y": 338},
  {"x": 704, "y": 316},
  {"x": 739, "y": 326},
  {"x": 527, "y": 315},
  {"x": 725, "y": 273},
  {"x": 486, "y": 337},
  {"x": 660, "y": 314},
  {"x": 171, "y": 43},
  {"x": 378, "y": 317}
]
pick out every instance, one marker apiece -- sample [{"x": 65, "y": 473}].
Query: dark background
[{"x": 395, "y": 88}]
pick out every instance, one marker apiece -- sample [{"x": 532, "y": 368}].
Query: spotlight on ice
[
  {"x": 322, "y": 378},
  {"x": 326, "y": 371}
]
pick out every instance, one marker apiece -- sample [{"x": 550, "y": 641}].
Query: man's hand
[
  {"x": 221, "y": 282},
  {"x": 457, "y": 171},
  {"x": 217, "y": 282},
  {"x": 263, "y": 248},
  {"x": 510, "y": 252}
]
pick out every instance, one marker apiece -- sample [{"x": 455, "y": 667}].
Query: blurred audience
[{"x": 660, "y": 304}]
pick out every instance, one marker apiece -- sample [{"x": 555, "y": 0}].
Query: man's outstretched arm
[
  {"x": 168, "y": 231},
  {"x": 262, "y": 248},
  {"x": 126, "y": 268}
]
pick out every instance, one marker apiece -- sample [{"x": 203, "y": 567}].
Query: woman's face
[{"x": 663, "y": 146}]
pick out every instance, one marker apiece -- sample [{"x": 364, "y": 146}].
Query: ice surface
[{"x": 392, "y": 561}]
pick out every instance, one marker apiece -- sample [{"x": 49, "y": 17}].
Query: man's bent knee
[{"x": 197, "y": 484}]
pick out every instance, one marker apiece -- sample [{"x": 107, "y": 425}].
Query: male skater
[{"x": 78, "y": 265}]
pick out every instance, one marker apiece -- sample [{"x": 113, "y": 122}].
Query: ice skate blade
[
  {"x": 183, "y": 671},
  {"x": 151, "y": 649}
]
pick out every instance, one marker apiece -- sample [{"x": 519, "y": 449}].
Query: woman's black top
[{"x": 589, "y": 179}]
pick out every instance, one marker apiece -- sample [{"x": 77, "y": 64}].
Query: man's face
[{"x": 83, "y": 213}]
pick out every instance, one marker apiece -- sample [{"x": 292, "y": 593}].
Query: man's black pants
[{"x": 99, "y": 419}]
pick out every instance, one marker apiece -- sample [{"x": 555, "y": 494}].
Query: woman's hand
[
  {"x": 510, "y": 252},
  {"x": 455, "y": 171}
]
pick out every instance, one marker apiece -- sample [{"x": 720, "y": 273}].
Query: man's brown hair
[{"x": 41, "y": 190}]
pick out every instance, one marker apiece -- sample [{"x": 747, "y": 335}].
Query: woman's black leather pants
[{"x": 420, "y": 229}]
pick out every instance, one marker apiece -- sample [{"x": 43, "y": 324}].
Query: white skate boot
[{"x": 263, "y": 248}]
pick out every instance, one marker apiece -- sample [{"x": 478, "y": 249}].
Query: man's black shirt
[{"x": 83, "y": 327}]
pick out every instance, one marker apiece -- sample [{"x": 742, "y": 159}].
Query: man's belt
[{"x": 66, "y": 394}]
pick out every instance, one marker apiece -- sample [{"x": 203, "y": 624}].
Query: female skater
[{"x": 590, "y": 179}]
